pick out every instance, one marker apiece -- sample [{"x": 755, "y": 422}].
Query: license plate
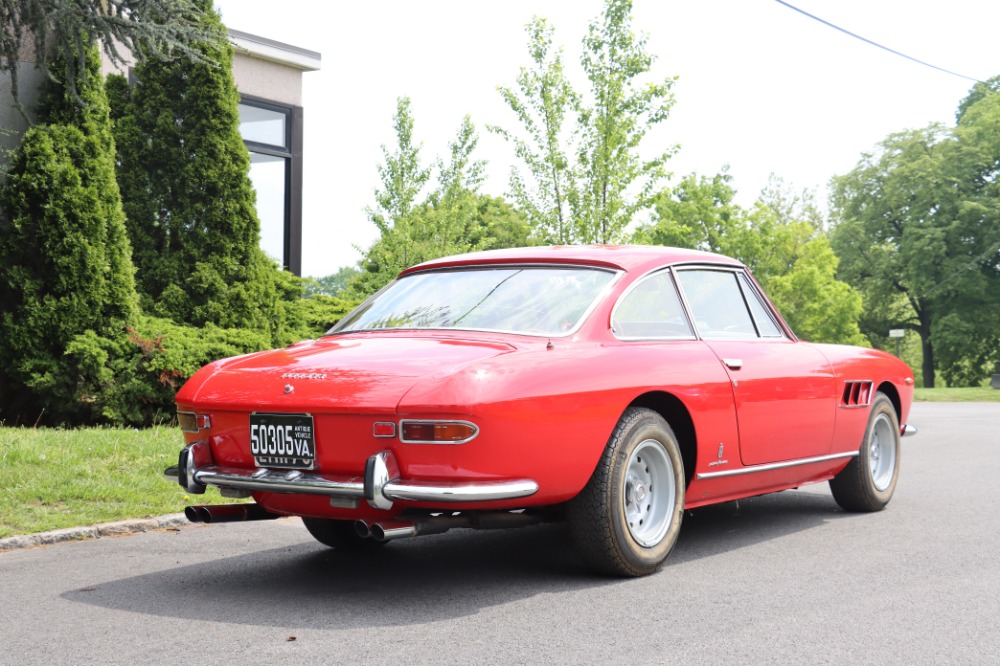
[{"x": 286, "y": 441}]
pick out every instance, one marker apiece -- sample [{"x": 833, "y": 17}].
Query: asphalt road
[{"x": 776, "y": 579}]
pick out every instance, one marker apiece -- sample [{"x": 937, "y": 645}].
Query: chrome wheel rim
[
  {"x": 650, "y": 493},
  {"x": 882, "y": 453}
]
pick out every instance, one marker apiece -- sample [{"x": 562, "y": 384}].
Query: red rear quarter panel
[{"x": 548, "y": 413}]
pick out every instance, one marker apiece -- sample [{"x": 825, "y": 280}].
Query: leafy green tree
[
  {"x": 791, "y": 258},
  {"x": 979, "y": 91},
  {"x": 333, "y": 284},
  {"x": 461, "y": 174},
  {"x": 184, "y": 174},
  {"x": 459, "y": 224},
  {"x": 452, "y": 219},
  {"x": 67, "y": 29},
  {"x": 616, "y": 182},
  {"x": 403, "y": 176},
  {"x": 585, "y": 183},
  {"x": 698, "y": 213},
  {"x": 787, "y": 205},
  {"x": 817, "y": 305},
  {"x": 65, "y": 265},
  {"x": 549, "y": 193},
  {"x": 918, "y": 232}
]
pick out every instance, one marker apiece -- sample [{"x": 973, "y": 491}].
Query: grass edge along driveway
[{"x": 56, "y": 478}]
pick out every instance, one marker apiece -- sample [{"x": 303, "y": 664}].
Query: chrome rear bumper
[{"x": 380, "y": 485}]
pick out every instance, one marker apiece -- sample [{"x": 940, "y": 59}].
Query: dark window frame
[{"x": 292, "y": 153}]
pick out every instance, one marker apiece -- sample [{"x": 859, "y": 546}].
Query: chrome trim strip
[
  {"x": 773, "y": 466},
  {"x": 460, "y": 491},
  {"x": 908, "y": 430},
  {"x": 343, "y": 486}
]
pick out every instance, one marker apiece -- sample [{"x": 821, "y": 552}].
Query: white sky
[{"x": 761, "y": 87}]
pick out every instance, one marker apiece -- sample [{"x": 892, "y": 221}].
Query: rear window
[{"x": 548, "y": 301}]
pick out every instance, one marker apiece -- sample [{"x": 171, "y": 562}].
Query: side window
[
  {"x": 717, "y": 304},
  {"x": 651, "y": 310},
  {"x": 765, "y": 324}
]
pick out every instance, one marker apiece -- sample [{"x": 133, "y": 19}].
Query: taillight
[{"x": 437, "y": 432}]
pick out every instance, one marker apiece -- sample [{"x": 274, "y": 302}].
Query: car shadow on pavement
[
  {"x": 723, "y": 528},
  {"x": 426, "y": 579}
]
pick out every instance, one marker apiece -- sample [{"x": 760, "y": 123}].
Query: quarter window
[{"x": 651, "y": 310}]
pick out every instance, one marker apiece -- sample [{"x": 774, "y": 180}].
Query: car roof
[{"x": 628, "y": 258}]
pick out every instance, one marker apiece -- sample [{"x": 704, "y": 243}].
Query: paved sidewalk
[{"x": 93, "y": 532}]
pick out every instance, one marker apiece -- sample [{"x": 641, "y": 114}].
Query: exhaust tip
[
  {"x": 362, "y": 529},
  {"x": 393, "y": 530},
  {"x": 196, "y": 514}
]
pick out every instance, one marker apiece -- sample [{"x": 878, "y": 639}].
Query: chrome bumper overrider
[{"x": 380, "y": 485}]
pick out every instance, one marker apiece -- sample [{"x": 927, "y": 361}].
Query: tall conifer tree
[
  {"x": 184, "y": 174},
  {"x": 65, "y": 261}
]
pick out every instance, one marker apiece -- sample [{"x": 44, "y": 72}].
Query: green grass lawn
[
  {"x": 975, "y": 394},
  {"x": 52, "y": 478}
]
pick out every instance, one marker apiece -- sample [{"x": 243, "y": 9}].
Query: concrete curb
[{"x": 93, "y": 532}]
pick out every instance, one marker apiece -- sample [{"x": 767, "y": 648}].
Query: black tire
[
  {"x": 339, "y": 534},
  {"x": 868, "y": 481},
  {"x": 626, "y": 519}
]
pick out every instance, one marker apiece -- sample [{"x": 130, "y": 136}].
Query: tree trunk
[{"x": 928, "y": 351}]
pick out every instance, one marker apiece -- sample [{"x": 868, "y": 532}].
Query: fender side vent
[{"x": 857, "y": 393}]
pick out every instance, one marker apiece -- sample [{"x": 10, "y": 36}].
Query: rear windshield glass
[{"x": 545, "y": 301}]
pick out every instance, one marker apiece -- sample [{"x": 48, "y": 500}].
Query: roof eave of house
[{"x": 274, "y": 51}]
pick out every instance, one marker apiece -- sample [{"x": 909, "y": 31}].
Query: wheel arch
[
  {"x": 890, "y": 391},
  {"x": 676, "y": 414}
]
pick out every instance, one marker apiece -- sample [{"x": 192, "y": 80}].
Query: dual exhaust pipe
[
  {"x": 387, "y": 530},
  {"x": 438, "y": 524},
  {"x": 228, "y": 513}
]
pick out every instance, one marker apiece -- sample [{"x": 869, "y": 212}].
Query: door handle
[{"x": 733, "y": 363}]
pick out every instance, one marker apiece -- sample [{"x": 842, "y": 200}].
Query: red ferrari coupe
[{"x": 612, "y": 387}]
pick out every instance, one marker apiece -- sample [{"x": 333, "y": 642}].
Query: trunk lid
[{"x": 349, "y": 374}]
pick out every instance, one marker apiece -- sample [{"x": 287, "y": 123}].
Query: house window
[{"x": 272, "y": 133}]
